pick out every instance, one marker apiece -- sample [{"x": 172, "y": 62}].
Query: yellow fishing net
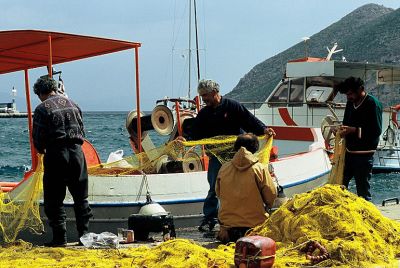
[
  {"x": 353, "y": 230},
  {"x": 19, "y": 209},
  {"x": 178, "y": 155},
  {"x": 174, "y": 253},
  {"x": 336, "y": 175}
]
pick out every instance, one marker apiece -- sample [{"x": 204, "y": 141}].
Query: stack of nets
[
  {"x": 353, "y": 230},
  {"x": 174, "y": 253}
]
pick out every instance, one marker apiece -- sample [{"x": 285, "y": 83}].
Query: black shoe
[
  {"x": 202, "y": 227},
  {"x": 207, "y": 226},
  {"x": 56, "y": 244},
  {"x": 211, "y": 226}
]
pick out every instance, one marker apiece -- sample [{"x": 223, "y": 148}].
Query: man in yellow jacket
[{"x": 244, "y": 187}]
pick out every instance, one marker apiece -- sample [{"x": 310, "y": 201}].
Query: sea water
[{"x": 107, "y": 132}]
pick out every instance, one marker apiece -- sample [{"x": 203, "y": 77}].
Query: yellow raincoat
[{"x": 243, "y": 187}]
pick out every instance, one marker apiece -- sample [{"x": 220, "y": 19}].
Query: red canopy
[{"x": 27, "y": 49}]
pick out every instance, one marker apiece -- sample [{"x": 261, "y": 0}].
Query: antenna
[
  {"x": 332, "y": 51},
  {"x": 305, "y": 39},
  {"x": 190, "y": 41}
]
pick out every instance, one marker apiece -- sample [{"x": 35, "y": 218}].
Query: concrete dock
[{"x": 391, "y": 211}]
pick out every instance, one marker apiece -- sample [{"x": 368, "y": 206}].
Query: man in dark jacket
[
  {"x": 58, "y": 133},
  {"x": 221, "y": 116},
  {"x": 362, "y": 126}
]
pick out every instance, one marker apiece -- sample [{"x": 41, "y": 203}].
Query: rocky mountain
[{"x": 370, "y": 33}]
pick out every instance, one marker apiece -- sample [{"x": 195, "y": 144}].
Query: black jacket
[{"x": 228, "y": 118}]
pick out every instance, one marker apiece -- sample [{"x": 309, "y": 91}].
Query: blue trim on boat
[{"x": 305, "y": 181}]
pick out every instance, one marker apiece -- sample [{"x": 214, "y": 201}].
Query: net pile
[
  {"x": 352, "y": 230},
  {"x": 179, "y": 153},
  {"x": 173, "y": 253},
  {"x": 19, "y": 209}
]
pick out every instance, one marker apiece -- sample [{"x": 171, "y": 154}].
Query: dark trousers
[
  {"x": 65, "y": 166},
  {"x": 237, "y": 232},
  {"x": 359, "y": 166},
  {"x": 210, "y": 208}
]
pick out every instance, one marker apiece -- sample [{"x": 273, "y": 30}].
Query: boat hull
[{"x": 114, "y": 198}]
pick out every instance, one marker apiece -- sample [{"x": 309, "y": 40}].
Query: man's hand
[
  {"x": 346, "y": 130},
  {"x": 269, "y": 132}
]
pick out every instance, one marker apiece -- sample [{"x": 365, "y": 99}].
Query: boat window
[
  {"x": 280, "y": 96},
  {"x": 296, "y": 91},
  {"x": 340, "y": 98},
  {"x": 318, "y": 94}
]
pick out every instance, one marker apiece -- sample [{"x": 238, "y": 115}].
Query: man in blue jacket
[
  {"x": 362, "y": 126},
  {"x": 220, "y": 116}
]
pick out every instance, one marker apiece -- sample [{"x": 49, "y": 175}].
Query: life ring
[
  {"x": 395, "y": 110},
  {"x": 311, "y": 247}
]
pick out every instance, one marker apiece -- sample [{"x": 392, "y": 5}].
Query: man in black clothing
[
  {"x": 58, "y": 133},
  {"x": 362, "y": 126},
  {"x": 221, "y": 116}
]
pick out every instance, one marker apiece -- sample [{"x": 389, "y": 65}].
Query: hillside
[{"x": 370, "y": 33}]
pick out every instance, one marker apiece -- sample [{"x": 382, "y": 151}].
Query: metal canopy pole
[
  {"x": 139, "y": 126},
  {"x": 50, "y": 66},
  {"x": 29, "y": 111}
]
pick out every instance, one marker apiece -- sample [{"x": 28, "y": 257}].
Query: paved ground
[{"x": 208, "y": 240}]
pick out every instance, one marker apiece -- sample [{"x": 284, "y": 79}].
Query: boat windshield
[
  {"x": 289, "y": 92},
  {"x": 319, "y": 90}
]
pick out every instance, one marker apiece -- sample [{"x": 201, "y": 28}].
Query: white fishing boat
[
  {"x": 113, "y": 197},
  {"x": 306, "y": 97}
]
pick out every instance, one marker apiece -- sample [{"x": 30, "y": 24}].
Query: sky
[{"x": 234, "y": 36}]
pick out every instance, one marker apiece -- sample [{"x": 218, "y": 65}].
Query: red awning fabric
[{"x": 27, "y": 49}]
